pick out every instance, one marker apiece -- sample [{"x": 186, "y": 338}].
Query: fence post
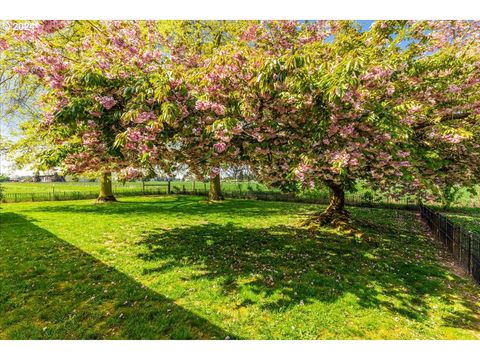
[
  {"x": 438, "y": 226},
  {"x": 469, "y": 254}
]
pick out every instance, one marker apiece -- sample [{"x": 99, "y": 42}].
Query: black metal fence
[
  {"x": 318, "y": 198},
  {"x": 79, "y": 195},
  {"x": 464, "y": 245},
  {"x": 311, "y": 198}
]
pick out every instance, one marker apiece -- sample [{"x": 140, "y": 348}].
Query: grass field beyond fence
[
  {"x": 469, "y": 218},
  {"x": 18, "y": 192},
  {"x": 463, "y": 244},
  {"x": 30, "y": 187}
]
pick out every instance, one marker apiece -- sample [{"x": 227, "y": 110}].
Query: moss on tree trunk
[
  {"x": 106, "y": 192},
  {"x": 215, "y": 192}
]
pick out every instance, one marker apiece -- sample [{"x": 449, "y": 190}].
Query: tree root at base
[
  {"x": 216, "y": 198},
  {"x": 339, "y": 220},
  {"x": 105, "y": 199},
  {"x": 331, "y": 218}
]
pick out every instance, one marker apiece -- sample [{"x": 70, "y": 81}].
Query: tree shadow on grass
[
  {"x": 175, "y": 206},
  {"x": 53, "y": 290},
  {"x": 285, "y": 265}
]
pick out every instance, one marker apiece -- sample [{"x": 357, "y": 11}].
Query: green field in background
[
  {"x": 30, "y": 187},
  {"x": 465, "y": 199}
]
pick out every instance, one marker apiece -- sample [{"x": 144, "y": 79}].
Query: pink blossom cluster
[
  {"x": 104, "y": 65},
  {"x": 26, "y": 67},
  {"x": 340, "y": 159},
  {"x": 107, "y": 101},
  {"x": 384, "y": 137},
  {"x": 447, "y": 137},
  {"x": 407, "y": 120},
  {"x": 175, "y": 83},
  {"x": 91, "y": 138},
  {"x": 145, "y": 116},
  {"x": 3, "y": 44},
  {"x": 55, "y": 62},
  {"x": 352, "y": 97},
  {"x": 220, "y": 147},
  {"x": 48, "y": 118},
  {"x": 134, "y": 135},
  {"x": 390, "y": 90},
  {"x": 301, "y": 170},
  {"x": 237, "y": 129},
  {"x": 218, "y": 109},
  {"x": 130, "y": 173},
  {"x": 50, "y": 26},
  {"x": 202, "y": 105},
  {"x": 43, "y": 28},
  {"x": 250, "y": 34},
  {"x": 404, "y": 163},
  {"x": 347, "y": 131},
  {"x": 377, "y": 73},
  {"x": 207, "y": 105},
  {"x": 61, "y": 103},
  {"x": 317, "y": 31},
  {"x": 214, "y": 171},
  {"x": 223, "y": 135},
  {"x": 21, "y": 70},
  {"x": 452, "y": 138},
  {"x": 454, "y": 89}
]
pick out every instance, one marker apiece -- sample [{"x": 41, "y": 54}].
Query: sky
[{"x": 365, "y": 24}]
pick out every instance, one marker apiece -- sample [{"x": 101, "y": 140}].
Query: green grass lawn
[
  {"x": 180, "y": 267},
  {"x": 20, "y": 192},
  {"x": 469, "y": 218},
  {"x": 26, "y": 187},
  {"x": 31, "y": 187}
]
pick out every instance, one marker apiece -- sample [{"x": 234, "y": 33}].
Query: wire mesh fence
[{"x": 464, "y": 245}]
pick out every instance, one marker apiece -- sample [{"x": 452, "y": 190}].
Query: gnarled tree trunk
[
  {"x": 335, "y": 213},
  {"x": 106, "y": 192},
  {"x": 215, "y": 192}
]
